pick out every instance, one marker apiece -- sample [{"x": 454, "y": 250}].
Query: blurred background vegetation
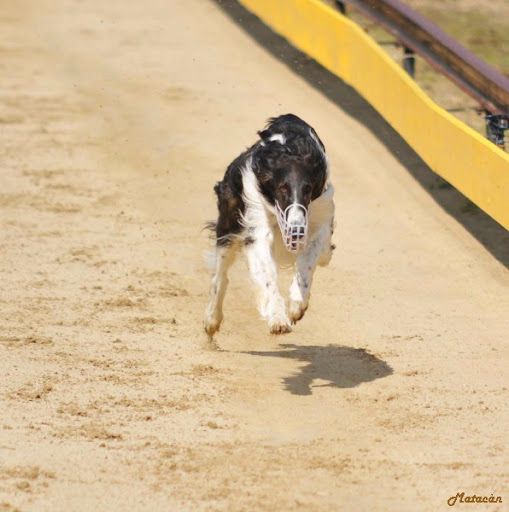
[{"x": 482, "y": 26}]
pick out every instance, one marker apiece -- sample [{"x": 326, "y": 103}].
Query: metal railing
[{"x": 487, "y": 86}]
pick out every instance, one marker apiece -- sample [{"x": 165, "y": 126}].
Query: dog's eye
[
  {"x": 284, "y": 188},
  {"x": 306, "y": 190}
]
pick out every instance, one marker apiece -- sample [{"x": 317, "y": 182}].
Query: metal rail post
[{"x": 409, "y": 61}]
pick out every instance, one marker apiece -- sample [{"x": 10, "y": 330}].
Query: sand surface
[{"x": 116, "y": 119}]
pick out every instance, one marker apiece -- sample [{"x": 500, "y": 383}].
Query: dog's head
[{"x": 290, "y": 177}]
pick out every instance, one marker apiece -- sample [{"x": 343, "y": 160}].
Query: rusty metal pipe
[{"x": 482, "y": 82}]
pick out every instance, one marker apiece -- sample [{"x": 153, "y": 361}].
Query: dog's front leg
[
  {"x": 264, "y": 274},
  {"x": 305, "y": 268},
  {"x": 224, "y": 257}
]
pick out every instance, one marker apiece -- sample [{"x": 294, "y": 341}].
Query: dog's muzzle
[{"x": 293, "y": 223}]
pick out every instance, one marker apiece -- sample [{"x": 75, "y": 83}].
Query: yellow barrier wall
[{"x": 453, "y": 150}]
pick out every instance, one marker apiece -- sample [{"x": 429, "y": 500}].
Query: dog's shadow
[{"x": 339, "y": 366}]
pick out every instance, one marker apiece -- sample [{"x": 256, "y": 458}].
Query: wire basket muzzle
[{"x": 293, "y": 223}]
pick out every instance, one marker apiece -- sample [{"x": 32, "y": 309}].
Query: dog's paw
[
  {"x": 297, "y": 310},
  {"x": 211, "y": 325},
  {"x": 325, "y": 258},
  {"x": 278, "y": 320},
  {"x": 280, "y": 328}
]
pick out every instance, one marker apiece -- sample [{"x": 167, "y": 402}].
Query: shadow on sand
[
  {"x": 488, "y": 232},
  {"x": 340, "y": 366}
]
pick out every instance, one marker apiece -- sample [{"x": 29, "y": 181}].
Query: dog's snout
[
  {"x": 299, "y": 233},
  {"x": 296, "y": 215},
  {"x": 293, "y": 222}
]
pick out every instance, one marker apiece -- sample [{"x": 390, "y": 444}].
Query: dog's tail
[{"x": 210, "y": 226}]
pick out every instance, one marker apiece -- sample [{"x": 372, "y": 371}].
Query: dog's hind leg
[
  {"x": 300, "y": 289},
  {"x": 224, "y": 256},
  {"x": 264, "y": 274}
]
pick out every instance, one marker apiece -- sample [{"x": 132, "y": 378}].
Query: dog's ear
[
  {"x": 319, "y": 182},
  {"x": 265, "y": 166},
  {"x": 265, "y": 177},
  {"x": 319, "y": 173},
  {"x": 318, "y": 188},
  {"x": 265, "y": 171},
  {"x": 264, "y": 134}
]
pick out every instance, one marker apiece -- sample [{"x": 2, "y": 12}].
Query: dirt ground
[{"x": 116, "y": 119}]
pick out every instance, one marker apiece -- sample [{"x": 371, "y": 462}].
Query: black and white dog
[{"x": 282, "y": 180}]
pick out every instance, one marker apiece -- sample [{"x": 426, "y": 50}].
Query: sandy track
[{"x": 116, "y": 120}]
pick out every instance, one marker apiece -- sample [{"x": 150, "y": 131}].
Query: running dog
[{"x": 275, "y": 203}]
